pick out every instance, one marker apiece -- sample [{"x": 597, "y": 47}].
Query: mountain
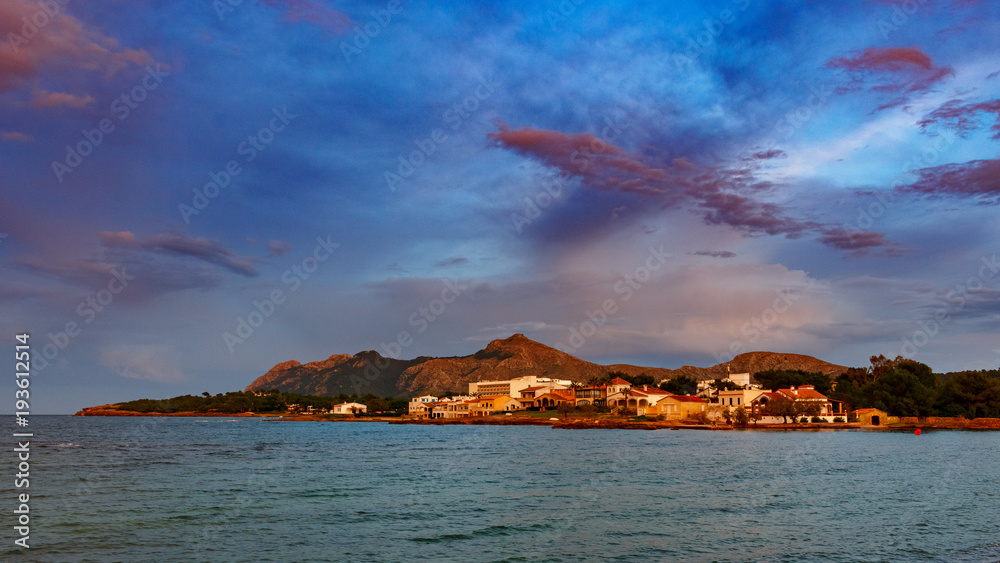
[
  {"x": 753, "y": 362},
  {"x": 516, "y": 356}
]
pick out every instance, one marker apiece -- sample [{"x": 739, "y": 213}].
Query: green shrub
[
  {"x": 803, "y": 420},
  {"x": 838, "y": 419},
  {"x": 817, "y": 419}
]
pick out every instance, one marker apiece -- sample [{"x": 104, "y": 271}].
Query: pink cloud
[
  {"x": 312, "y": 12},
  {"x": 46, "y": 99},
  {"x": 278, "y": 247},
  {"x": 893, "y": 59},
  {"x": 961, "y": 117},
  {"x": 895, "y": 70},
  {"x": 979, "y": 179},
  {"x": 16, "y": 137},
  {"x": 63, "y": 45},
  {"x": 722, "y": 195}
]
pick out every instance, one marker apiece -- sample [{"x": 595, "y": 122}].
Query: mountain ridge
[{"x": 515, "y": 356}]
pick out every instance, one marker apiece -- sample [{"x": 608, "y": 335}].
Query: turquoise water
[{"x": 216, "y": 489}]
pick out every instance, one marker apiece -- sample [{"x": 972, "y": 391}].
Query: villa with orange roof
[{"x": 675, "y": 407}]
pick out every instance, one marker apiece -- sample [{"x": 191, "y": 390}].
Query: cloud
[
  {"x": 296, "y": 11},
  {"x": 977, "y": 179},
  {"x": 769, "y": 154},
  {"x": 723, "y": 195},
  {"x": 211, "y": 251},
  {"x": 961, "y": 117},
  {"x": 16, "y": 137},
  {"x": 713, "y": 253},
  {"x": 599, "y": 164},
  {"x": 894, "y": 70},
  {"x": 46, "y": 99},
  {"x": 453, "y": 261},
  {"x": 148, "y": 362},
  {"x": 61, "y": 46},
  {"x": 278, "y": 247}
]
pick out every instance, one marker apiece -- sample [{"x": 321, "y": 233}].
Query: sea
[{"x": 248, "y": 489}]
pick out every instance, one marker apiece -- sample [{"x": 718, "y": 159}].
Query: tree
[
  {"x": 680, "y": 385},
  {"x": 881, "y": 366},
  {"x": 805, "y": 408},
  {"x": 377, "y": 405},
  {"x": 971, "y": 394},
  {"x": 901, "y": 393},
  {"x": 723, "y": 385},
  {"x": 754, "y": 416},
  {"x": 636, "y": 380},
  {"x": 564, "y": 409},
  {"x": 780, "y": 407},
  {"x": 740, "y": 416},
  {"x": 727, "y": 414}
]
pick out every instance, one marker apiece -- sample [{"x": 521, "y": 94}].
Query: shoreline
[{"x": 575, "y": 423}]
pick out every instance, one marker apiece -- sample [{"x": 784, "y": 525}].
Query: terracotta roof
[
  {"x": 531, "y": 389},
  {"x": 803, "y": 393},
  {"x": 619, "y": 381},
  {"x": 648, "y": 392},
  {"x": 688, "y": 399}
]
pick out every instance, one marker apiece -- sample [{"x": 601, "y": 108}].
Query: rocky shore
[{"x": 905, "y": 423}]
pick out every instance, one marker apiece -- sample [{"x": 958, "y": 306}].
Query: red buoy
[{"x": 917, "y": 432}]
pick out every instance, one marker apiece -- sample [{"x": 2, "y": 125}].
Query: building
[
  {"x": 741, "y": 379},
  {"x": 422, "y": 406},
  {"x": 738, "y": 397},
  {"x": 871, "y": 417},
  {"x": 618, "y": 392},
  {"x": 642, "y": 397},
  {"x": 485, "y": 406},
  {"x": 828, "y": 409},
  {"x": 513, "y": 387},
  {"x": 591, "y": 395},
  {"x": 553, "y": 399},
  {"x": 349, "y": 408},
  {"x": 809, "y": 395},
  {"x": 675, "y": 407}
]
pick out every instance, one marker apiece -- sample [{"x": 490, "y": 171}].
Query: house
[
  {"x": 485, "y": 406},
  {"x": 675, "y": 407},
  {"x": 553, "y": 399},
  {"x": 459, "y": 408},
  {"x": 591, "y": 395},
  {"x": 349, "y": 408},
  {"x": 828, "y": 409},
  {"x": 871, "y": 417},
  {"x": 642, "y": 397},
  {"x": 421, "y": 406},
  {"x": 738, "y": 397},
  {"x": 809, "y": 395},
  {"x": 618, "y": 392}
]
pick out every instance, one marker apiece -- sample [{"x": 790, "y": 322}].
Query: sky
[{"x": 193, "y": 192}]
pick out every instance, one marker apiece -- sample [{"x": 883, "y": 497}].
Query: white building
[
  {"x": 349, "y": 408},
  {"x": 421, "y": 405},
  {"x": 512, "y": 387}
]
